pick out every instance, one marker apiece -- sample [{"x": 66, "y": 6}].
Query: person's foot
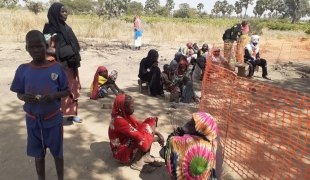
[
  {"x": 144, "y": 169},
  {"x": 77, "y": 119},
  {"x": 265, "y": 77}
]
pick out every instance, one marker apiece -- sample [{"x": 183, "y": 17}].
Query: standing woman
[
  {"x": 66, "y": 52},
  {"x": 138, "y": 32}
]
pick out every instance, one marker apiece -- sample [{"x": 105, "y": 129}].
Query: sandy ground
[{"x": 86, "y": 146}]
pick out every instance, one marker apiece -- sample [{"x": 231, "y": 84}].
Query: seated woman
[
  {"x": 131, "y": 140},
  {"x": 175, "y": 62},
  {"x": 150, "y": 72},
  {"x": 103, "y": 82},
  {"x": 177, "y": 81},
  {"x": 218, "y": 59},
  {"x": 191, "y": 150}
]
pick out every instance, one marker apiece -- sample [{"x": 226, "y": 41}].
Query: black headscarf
[
  {"x": 147, "y": 63},
  {"x": 64, "y": 37}
]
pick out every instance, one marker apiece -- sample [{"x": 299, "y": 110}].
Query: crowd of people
[{"x": 54, "y": 94}]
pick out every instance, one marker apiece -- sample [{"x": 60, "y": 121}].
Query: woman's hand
[
  {"x": 148, "y": 69},
  {"x": 161, "y": 139}
]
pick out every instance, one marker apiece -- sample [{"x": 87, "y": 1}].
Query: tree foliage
[
  {"x": 170, "y": 4},
  {"x": 78, "y": 6},
  {"x": 113, "y": 8},
  {"x": 185, "y": 11},
  {"x": 245, "y": 4},
  {"x": 134, "y": 7},
  {"x": 238, "y": 8},
  {"x": 8, "y": 3},
  {"x": 34, "y": 7},
  {"x": 151, "y": 6}
]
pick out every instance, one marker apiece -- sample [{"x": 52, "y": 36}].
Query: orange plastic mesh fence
[{"x": 264, "y": 130}]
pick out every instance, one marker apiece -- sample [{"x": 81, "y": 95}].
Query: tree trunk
[
  {"x": 246, "y": 9},
  {"x": 295, "y": 15}
]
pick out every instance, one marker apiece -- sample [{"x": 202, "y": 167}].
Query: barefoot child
[
  {"x": 41, "y": 84},
  {"x": 103, "y": 82},
  {"x": 166, "y": 78}
]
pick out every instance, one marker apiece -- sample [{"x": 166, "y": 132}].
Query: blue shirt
[{"x": 41, "y": 80}]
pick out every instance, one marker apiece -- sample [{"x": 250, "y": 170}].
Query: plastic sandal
[{"x": 77, "y": 120}]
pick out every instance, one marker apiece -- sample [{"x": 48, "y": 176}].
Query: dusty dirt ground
[{"x": 86, "y": 146}]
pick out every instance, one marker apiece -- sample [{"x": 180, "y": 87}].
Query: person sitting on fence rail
[
  {"x": 192, "y": 150},
  {"x": 252, "y": 57},
  {"x": 218, "y": 59}
]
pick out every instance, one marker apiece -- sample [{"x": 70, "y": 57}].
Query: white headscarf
[{"x": 254, "y": 42}]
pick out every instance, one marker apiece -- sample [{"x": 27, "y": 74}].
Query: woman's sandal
[
  {"x": 77, "y": 119},
  {"x": 144, "y": 169}
]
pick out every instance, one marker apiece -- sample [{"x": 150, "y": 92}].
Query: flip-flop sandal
[
  {"x": 144, "y": 169},
  {"x": 77, "y": 120},
  {"x": 155, "y": 164}
]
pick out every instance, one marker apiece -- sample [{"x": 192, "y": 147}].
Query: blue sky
[{"x": 208, "y": 4}]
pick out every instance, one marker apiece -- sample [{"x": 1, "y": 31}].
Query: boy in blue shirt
[{"x": 41, "y": 84}]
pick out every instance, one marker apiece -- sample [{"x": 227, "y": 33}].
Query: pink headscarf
[{"x": 137, "y": 22}]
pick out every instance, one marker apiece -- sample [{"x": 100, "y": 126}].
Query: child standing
[
  {"x": 103, "y": 82},
  {"x": 166, "y": 78},
  {"x": 41, "y": 84}
]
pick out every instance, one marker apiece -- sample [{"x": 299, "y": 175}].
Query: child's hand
[
  {"x": 29, "y": 97},
  {"x": 121, "y": 92},
  {"x": 48, "y": 97}
]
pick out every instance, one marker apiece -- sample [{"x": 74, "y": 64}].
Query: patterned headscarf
[
  {"x": 137, "y": 22},
  {"x": 119, "y": 110},
  {"x": 205, "y": 125},
  {"x": 94, "y": 94},
  {"x": 190, "y": 156}
]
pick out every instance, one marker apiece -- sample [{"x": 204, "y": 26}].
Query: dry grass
[{"x": 16, "y": 23}]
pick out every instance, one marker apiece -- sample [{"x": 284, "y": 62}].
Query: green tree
[
  {"x": 8, "y": 3},
  {"x": 223, "y": 7},
  {"x": 238, "y": 8},
  {"x": 134, "y": 7},
  {"x": 260, "y": 7},
  {"x": 216, "y": 8},
  {"x": 200, "y": 7},
  {"x": 230, "y": 9},
  {"x": 245, "y": 4},
  {"x": 170, "y": 4},
  {"x": 78, "y": 6},
  {"x": 184, "y": 9},
  {"x": 99, "y": 8},
  {"x": 34, "y": 7},
  {"x": 296, "y": 9},
  {"x": 113, "y": 8},
  {"x": 163, "y": 11},
  {"x": 151, "y": 6}
]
